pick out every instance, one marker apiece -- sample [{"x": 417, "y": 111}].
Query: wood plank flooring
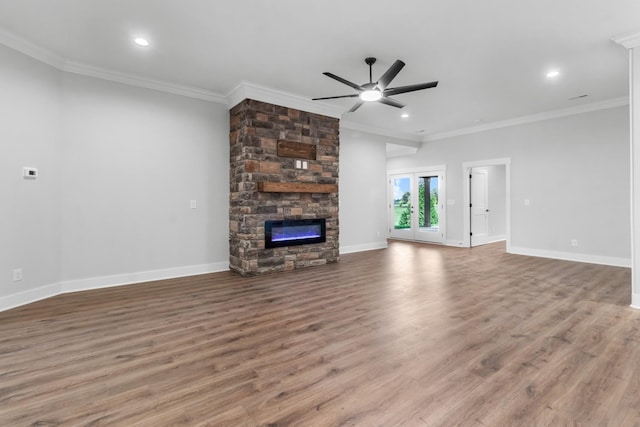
[{"x": 414, "y": 335}]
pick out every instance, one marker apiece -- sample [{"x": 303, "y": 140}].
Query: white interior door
[
  {"x": 417, "y": 206},
  {"x": 478, "y": 182}
]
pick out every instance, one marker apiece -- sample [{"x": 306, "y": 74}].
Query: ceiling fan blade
[
  {"x": 356, "y": 105},
  {"x": 391, "y": 102},
  {"x": 335, "y": 97},
  {"x": 409, "y": 88},
  {"x": 390, "y": 74},
  {"x": 341, "y": 80}
]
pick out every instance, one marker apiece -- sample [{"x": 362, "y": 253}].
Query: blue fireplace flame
[{"x": 294, "y": 232}]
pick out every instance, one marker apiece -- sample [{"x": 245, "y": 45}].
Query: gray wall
[
  {"x": 363, "y": 214},
  {"x": 574, "y": 170},
  {"x": 635, "y": 160},
  {"x": 30, "y": 135},
  {"x": 133, "y": 160},
  {"x": 118, "y": 167}
]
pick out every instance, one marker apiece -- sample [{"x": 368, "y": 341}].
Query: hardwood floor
[{"x": 413, "y": 335}]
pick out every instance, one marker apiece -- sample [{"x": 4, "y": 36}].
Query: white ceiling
[{"x": 490, "y": 56}]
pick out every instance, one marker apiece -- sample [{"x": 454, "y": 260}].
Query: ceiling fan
[{"x": 378, "y": 91}]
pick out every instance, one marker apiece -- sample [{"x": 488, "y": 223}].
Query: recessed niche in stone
[{"x": 298, "y": 150}]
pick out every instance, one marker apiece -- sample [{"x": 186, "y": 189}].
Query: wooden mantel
[{"x": 296, "y": 187}]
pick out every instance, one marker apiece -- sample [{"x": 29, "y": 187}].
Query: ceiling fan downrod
[{"x": 370, "y": 61}]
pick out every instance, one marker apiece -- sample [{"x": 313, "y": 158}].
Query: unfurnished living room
[{"x": 288, "y": 213}]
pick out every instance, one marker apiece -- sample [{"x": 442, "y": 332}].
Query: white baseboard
[
  {"x": 26, "y": 297},
  {"x": 494, "y": 239},
  {"x": 364, "y": 247},
  {"x": 139, "y": 277},
  {"x": 635, "y": 301},
  {"x": 455, "y": 243},
  {"x": 8, "y": 302},
  {"x": 569, "y": 256}
]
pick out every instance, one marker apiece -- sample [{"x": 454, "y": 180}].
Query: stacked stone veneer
[{"x": 255, "y": 130}]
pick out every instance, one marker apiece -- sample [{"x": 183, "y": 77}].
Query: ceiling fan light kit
[
  {"x": 377, "y": 91},
  {"x": 370, "y": 95}
]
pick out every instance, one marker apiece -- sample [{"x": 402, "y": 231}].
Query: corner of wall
[
  {"x": 363, "y": 247},
  {"x": 635, "y": 301}
]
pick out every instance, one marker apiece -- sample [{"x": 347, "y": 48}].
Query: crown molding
[
  {"x": 246, "y": 90},
  {"x": 50, "y": 58},
  {"x": 548, "y": 115},
  {"x": 629, "y": 40},
  {"x": 380, "y": 131},
  {"x": 21, "y": 45},
  {"x": 133, "y": 80}
]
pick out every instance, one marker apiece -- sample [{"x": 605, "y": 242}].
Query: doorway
[
  {"x": 416, "y": 206},
  {"x": 487, "y": 196}
]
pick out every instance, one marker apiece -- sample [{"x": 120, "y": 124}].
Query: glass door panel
[
  {"x": 429, "y": 208},
  {"x": 416, "y": 208},
  {"x": 401, "y": 206}
]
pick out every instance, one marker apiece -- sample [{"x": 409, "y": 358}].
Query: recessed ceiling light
[
  {"x": 404, "y": 115},
  {"x": 141, "y": 41},
  {"x": 553, "y": 73}
]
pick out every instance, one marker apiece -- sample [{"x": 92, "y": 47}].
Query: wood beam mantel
[{"x": 296, "y": 187}]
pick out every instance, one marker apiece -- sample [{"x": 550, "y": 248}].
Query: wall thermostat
[{"x": 31, "y": 173}]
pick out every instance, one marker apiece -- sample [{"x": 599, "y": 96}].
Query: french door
[{"x": 417, "y": 206}]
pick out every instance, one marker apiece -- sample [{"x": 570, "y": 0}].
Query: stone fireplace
[{"x": 283, "y": 167}]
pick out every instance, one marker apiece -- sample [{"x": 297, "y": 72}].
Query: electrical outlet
[
  {"x": 17, "y": 274},
  {"x": 193, "y": 204},
  {"x": 574, "y": 242},
  {"x": 29, "y": 173}
]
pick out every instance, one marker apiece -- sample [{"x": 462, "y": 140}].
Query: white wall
[
  {"x": 574, "y": 170},
  {"x": 30, "y": 135},
  {"x": 133, "y": 160},
  {"x": 118, "y": 167},
  {"x": 363, "y": 214},
  {"x": 635, "y": 161}
]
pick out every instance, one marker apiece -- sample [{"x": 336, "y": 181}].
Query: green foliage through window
[{"x": 402, "y": 207}]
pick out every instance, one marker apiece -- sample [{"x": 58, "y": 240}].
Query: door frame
[
  {"x": 466, "y": 196},
  {"x": 442, "y": 221}
]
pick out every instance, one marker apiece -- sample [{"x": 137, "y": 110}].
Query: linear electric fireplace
[{"x": 294, "y": 232}]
